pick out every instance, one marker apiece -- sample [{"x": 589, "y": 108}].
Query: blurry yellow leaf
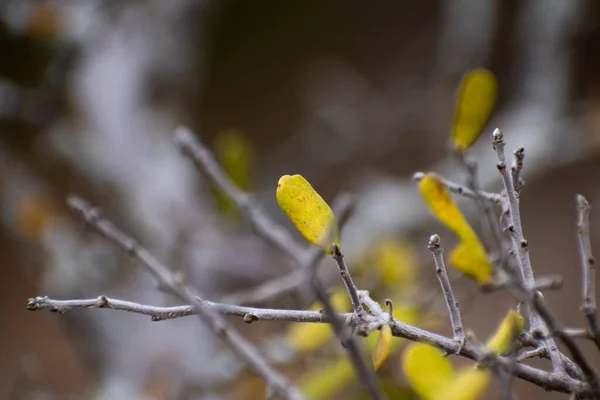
[
  {"x": 328, "y": 379},
  {"x": 235, "y": 154},
  {"x": 396, "y": 262},
  {"x": 469, "y": 257},
  {"x": 307, "y": 210},
  {"x": 467, "y": 384},
  {"x": 383, "y": 347},
  {"x": 510, "y": 327},
  {"x": 476, "y": 99},
  {"x": 308, "y": 337},
  {"x": 427, "y": 369}
]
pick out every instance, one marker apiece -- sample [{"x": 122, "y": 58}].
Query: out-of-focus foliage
[
  {"x": 474, "y": 104},
  {"x": 383, "y": 347},
  {"x": 469, "y": 256},
  {"x": 309, "y": 337},
  {"x": 234, "y": 152},
  {"x": 433, "y": 377},
  {"x": 34, "y": 215},
  {"x": 510, "y": 327},
  {"x": 307, "y": 210},
  {"x": 334, "y": 375}
]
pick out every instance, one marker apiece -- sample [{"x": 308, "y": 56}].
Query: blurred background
[{"x": 355, "y": 96}]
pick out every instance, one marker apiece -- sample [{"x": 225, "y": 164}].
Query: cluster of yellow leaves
[
  {"x": 307, "y": 210},
  {"x": 469, "y": 256},
  {"x": 433, "y": 377},
  {"x": 391, "y": 260},
  {"x": 474, "y": 104}
]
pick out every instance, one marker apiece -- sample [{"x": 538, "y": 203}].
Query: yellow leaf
[
  {"x": 469, "y": 256},
  {"x": 476, "y": 99},
  {"x": 510, "y": 327},
  {"x": 383, "y": 347},
  {"x": 309, "y": 337},
  {"x": 426, "y": 368},
  {"x": 235, "y": 154},
  {"x": 326, "y": 380},
  {"x": 396, "y": 262},
  {"x": 467, "y": 384},
  {"x": 307, "y": 210}
]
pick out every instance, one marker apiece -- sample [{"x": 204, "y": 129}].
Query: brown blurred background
[{"x": 355, "y": 96}]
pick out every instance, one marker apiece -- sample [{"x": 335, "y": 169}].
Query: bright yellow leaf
[
  {"x": 383, "y": 347},
  {"x": 476, "y": 99},
  {"x": 309, "y": 337},
  {"x": 510, "y": 327},
  {"x": 469, "y": 256},
  {"x": 467, "y": 384},
  {"x": 307, "y": 210},
  {"x": 426, "y": 368}
]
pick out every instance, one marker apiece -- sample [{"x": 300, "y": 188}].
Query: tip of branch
[
  {"x": 498, "y": 136},
  {"x": 434, "y": 242},
  {"x": 417, "y": 176},
  {"x": 582, "y": 202},
  {"x": 75, "y": 202},
  {"x": 183, "y": 136}
]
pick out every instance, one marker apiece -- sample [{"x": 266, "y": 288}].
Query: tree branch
[
  {"x": 464, "y": 191},
  {"x": 338, "y": 256},
  {"x": 175, "y": 284},
  {"x": 249, "y": 314},
  {"x": 588, "y": 267},
  {"x": 451, "y": 303}
]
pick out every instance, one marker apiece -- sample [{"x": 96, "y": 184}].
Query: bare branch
[
  {"x": 191, "y": 146},
  {"x": 280, "y": 238},
  {"x": 453, "y": 309},
  {"x": 519, "y": 156},
  {"x": 242, "y": 348},
  {"x": 249, "y": 314},
  {"x": 541, "y": 283},
  {"x": 537, "y": 352},
  {"x": 588, "y": 267},
  {"x": 338, "y": 256}
]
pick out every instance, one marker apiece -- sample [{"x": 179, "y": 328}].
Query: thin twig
[
  {"x": 537, "y": 352},
  {"x": 249, "y": 314},
  {"x": 174, "y": 284},
  {"x": 517, "y": 167},
  {"x": 451, "y": 303},
  {"x": 338, "y": 256},
  {"x": 464, "y": 191},
  {"x": 541, "y": 283},
  {"x": 588, "y": 267},
  {"x": 191, "y": 146}
]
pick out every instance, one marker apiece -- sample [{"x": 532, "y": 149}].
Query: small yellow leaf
[
  {"x": 307, "y": 210},
  {"x": 510, "y": 327},
  {"x": 467, "y": 384},
  {"x": 476, "y": 99},
  {"x": 309, "y": 337},
  {"x": 469, "y": 256},
  {"x": 426, "y": 368},
  {"x": 235, "y": 154},
  {"x": 383, "y": 347}
]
